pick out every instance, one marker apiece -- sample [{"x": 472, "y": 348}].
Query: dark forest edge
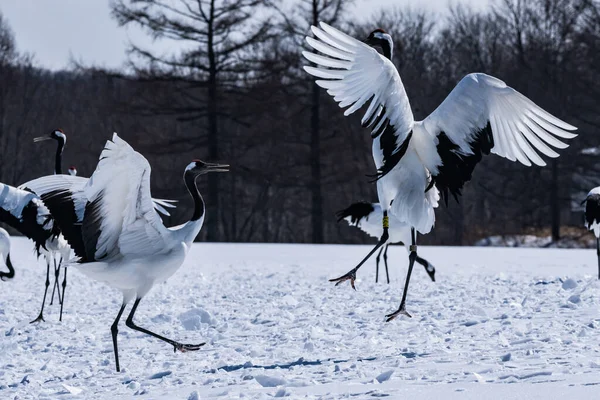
[{"x": 295, "y": 159}]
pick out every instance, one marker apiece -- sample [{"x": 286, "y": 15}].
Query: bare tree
[
  {"x": 8, "y": 49},
  {"x": 214, "y": 42},
  {"x": 295, "y": 23}
]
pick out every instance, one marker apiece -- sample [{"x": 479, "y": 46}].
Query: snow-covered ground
[{"x": 498, "y": 323}]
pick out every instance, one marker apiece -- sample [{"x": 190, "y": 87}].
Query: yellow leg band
[{"x": 386, "y": 222}]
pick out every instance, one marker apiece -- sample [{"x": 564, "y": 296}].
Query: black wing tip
[
  {"x": 457, "y": 168},
  {"x": 356, "y": 211}
]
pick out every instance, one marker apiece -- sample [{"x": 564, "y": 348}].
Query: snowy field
[{"x": 498, "y": 323}]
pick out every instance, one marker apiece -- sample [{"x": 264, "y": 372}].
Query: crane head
[
  {"x": 56, "y": 134},
  {"x": 198, "y": 167},
  {"x": 381, "y": 38}
]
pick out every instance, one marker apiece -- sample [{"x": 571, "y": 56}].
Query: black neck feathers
[
  {"x": 386, "y": 48},
  {"x": 59, "y": 151},
  {"x": 190, "y": 182}
]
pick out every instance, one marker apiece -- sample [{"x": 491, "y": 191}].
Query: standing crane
[
  {"x": 59, "y": 246},
  {"x": 592, "y": 218},
  {"x": 125, "y": 243}
]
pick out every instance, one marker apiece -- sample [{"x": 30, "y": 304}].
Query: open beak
[
  {"x": 41, "y": 139},
  {"x": 210, "y": 167}
]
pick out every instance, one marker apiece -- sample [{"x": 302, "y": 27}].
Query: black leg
[
  {"x": 351, "y": 275},
  {"x": 41, "y": 316},
  {"x": 377, "y": 265},
  {"x": 411, "y": 258},
  {"x": 430, "y": 269},
  {"x": 64, "y": 286},
  {"x": 387, "y": 273},
  {"x": 114, "y": 329},
  {"x": 176, "y": 345},
  {"x": 598, "y": 254},
  {"x": 55, "y": 287}
]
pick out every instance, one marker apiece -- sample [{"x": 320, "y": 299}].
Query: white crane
[
  {"x": 125, "y": 243},
  {"x": 5, "y": 255},
  {"x": 367, "y": 217},
  {"x": 26, "y": 212},
  {"x": 592, "y": 218},
  {"x": 60, "y": 196},
  {"x": 418, "y": 160}
]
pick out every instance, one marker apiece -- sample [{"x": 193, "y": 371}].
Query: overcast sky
[{"x": 57, "y": 30}]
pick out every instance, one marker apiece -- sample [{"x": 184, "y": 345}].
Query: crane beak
[
  {"x": 41, "y": 139},
  {"x": 210, "y": 167}
]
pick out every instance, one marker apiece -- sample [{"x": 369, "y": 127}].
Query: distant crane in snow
[
  {"x": 592, "y": 218},
  {"x": 125, "y": 243},
  {"x": 416, "y": 160},
  {"x": 58, "y": 246},
  {"x": 5, "y": 255},
  {"x": 367, "y": 217}
]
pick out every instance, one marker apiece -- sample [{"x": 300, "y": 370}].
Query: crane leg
[
  {"x": 598, "y": 254},
  {"x": 377, "y": 266},
  {"x": 351, "y": 275},
  {"x": 41, "y": 316},
  {"x": 411, "y": 257},
  {"x": 176, "y": 345},
  {"x": 56, "y": 287},
  {"x": 387, "y": 273},
  {"x": 430, "y": 269},
  {"x": 64, "y": 286},
  {"x": 114, "y": 329}
]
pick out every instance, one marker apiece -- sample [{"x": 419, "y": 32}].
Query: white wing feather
[
  {"x": 355, "y": 73},
  {"x": 128, "y": 225},
  {"x": 75, "y": 184},
  {"x": 520, "y": 128}
]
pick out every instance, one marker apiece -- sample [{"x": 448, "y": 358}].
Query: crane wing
[
  {"x": 64, "y": 197},
  {"x": 73, "y": 186},
  {"x": 353, "y": 74},
  {"x": 483, "y": 115},
  {"x": 120, "y": 219},
  {"x": 27, "y": 213}
]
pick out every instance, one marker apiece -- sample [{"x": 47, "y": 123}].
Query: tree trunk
[
  {"x": 315, "y": 154},
  {"x": 554, "y": 202},
  {"x": 212, "y": 215}
]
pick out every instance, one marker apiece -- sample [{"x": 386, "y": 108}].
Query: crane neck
[
  {"x": 11, "y": 271},
  {"x": 192, "y": 187},
  {"x": 58, "y": 159},
  {"x": 387, "y": 46}
]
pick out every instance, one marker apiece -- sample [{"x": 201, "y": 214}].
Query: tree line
[{"x": 233, "y": 90}]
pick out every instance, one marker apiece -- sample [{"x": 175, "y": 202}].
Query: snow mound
[
  {"x": 193, "y": 319},
  {"x": 535, "y": 241},
  {"x": 384, "y": 376},
  {"x": 269, "y": 381},
  {"x": 569, "y": 284}
]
